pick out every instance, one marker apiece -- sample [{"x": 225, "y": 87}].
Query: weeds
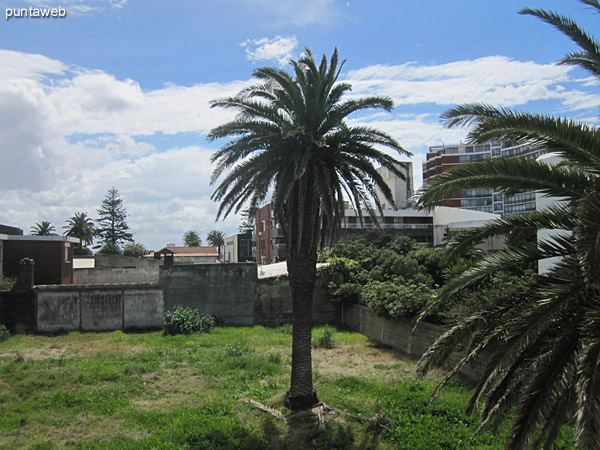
[
  {"x": 4, "y": 333},
  {"x": 140, "y": 391},
  {"x": 236, "y": 350},
  {"x": 324, "y": 339}
]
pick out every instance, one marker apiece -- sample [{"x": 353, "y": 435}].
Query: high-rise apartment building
[{"x": 444, "y": 157}]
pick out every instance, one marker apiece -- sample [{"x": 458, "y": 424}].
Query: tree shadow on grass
[{"x": 305, "y": 433}]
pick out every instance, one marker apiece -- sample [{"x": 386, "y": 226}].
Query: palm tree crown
[
  {"x": 81, "y": 226},
  {"x": 43, "y": 228},
  {"x": 543, "y": 353},
  {"x": 290, "y": 139},
  {"x": 216, "y": 239}
]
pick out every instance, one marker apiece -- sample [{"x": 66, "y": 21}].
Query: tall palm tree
[
  {"x": 291, "y": 140},
  {"x": 43, "y": 228},
  {"x": 544, "y": 352},
  {"x": 216, "y": 239},
  {"x": 81, "y": 226}
]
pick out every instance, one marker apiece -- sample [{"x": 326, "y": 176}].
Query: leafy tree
[
  {"x": 544, "y": 348},
  {"x": 192, "y": 239},
  {"x": 391, "y": 275},
  {"x": 110, "y": 249},
  {"x": 82, "y": 227},
  {"x": 134, "y": 249},
  {"x": 216, "y": 239},
  {"x": 112, "y": 224},
  {"x": 291, "y": 138}
]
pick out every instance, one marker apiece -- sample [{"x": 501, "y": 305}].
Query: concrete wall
[
  {"x": 234, "y": 295},
  {"x": 111, "y": 269},
  {"x": 273, "y": 306},
  {"x": 98, "y": 308},
  {"x": 105, "y": 275},
  {"x": 117, "y": 261},
  {"x": 396, "y": 333},
  {"x": 226, "y": 291}
]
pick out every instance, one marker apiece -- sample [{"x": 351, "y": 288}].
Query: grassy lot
[{"x": 148, "y": 391}]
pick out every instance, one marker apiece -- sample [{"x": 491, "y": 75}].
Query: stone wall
[
  {"x": 396, "y": 334},
  {"x": 98, "y": 308}
]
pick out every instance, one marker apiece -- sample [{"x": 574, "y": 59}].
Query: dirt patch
[
  {"x": 85, "y": 428},
  {"x": 358, "y": 360},
  {"x": 169, "y": 388},
  {"x": 78, "y": 349},
  {"x": 4, "y": 387}
]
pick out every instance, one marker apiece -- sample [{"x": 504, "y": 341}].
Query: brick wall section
[{"x": 396, "y": 333}]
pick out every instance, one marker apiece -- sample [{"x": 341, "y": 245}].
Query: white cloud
[
  {"x": 295, "y": 12},
  {"x": 493, "y": 79},
  {"x": 279, "y": 49},
  {"x": 68, "y": 134},
  {"x": 25, "y": 65},
  {"x": 118, "y": 3}
]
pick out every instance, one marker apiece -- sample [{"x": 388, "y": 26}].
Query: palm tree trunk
[{"x": 302, "y": 273}]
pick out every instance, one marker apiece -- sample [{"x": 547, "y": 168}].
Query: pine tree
[
  {"x": 247, "y": 224},
  {"x": 111, "y": 224}
]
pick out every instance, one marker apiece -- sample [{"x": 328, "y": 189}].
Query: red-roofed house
[{"x": 187, "y": 255}]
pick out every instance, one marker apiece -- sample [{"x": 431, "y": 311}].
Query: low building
[
  {"x": 186, "y": 255},
  {"x": 52, "y": 255},
  {"x": 427, "y": 227},
  {"x": 415, "y": 223},
  {"x": 238, "y": 248}
]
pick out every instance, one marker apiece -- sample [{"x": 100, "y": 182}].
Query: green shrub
[
  {"x": 7, "y": 283},
  {"x": 324, "y": 340},
  {"x": 184, "y": 320},
  {"x": 389, "y": 299},
  {"x": 4, "y": 333}
]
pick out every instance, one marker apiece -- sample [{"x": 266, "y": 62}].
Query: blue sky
[{"x": 117, "y": 93}]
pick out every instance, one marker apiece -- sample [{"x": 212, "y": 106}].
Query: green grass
[{"x": 146, "y": 391}]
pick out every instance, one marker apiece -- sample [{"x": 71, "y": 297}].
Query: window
[{"x": 67, "y": 248}]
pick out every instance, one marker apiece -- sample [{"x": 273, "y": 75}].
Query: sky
[{"x": 117, "y": 92}]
